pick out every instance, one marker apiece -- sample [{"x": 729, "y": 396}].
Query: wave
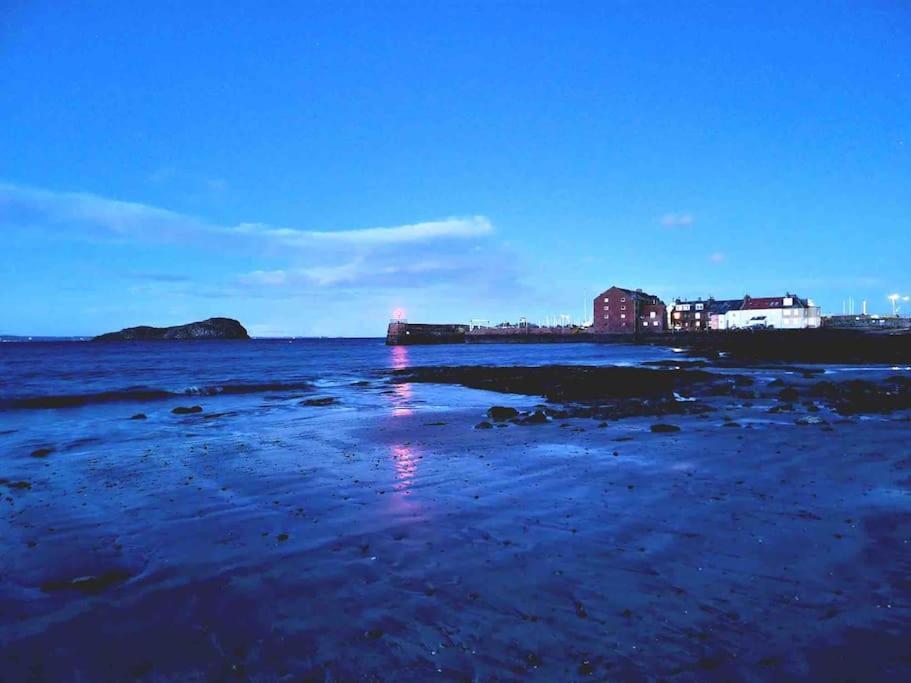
[{"x": 144, "y": 394}]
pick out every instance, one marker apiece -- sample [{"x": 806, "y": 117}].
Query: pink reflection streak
[
  {"x": 406, "y": 464},
  {"x": 402, "y": 392}
]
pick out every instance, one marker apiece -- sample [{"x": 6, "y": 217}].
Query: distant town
[{"x": 620, "y": 312}]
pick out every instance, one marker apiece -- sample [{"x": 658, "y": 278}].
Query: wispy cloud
[
  {"x": 99, "y": 215},
  {"x": 677, "y": 220},
  {"x": 460, "y": 228},
  {"x": 446, "y": 251},
  {"x": 717, "y": 257}
]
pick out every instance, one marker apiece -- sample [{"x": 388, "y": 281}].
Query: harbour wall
[{"x": 820, "y": 345}]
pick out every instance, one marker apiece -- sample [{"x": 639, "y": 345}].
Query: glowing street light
[{"x": 895, "y": 298}]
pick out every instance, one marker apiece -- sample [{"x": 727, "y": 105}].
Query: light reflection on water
[{"x": 402, "y": 393}]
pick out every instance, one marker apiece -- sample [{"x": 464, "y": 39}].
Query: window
[
  {"x": 622, "y": 300},
  {"x": 698, "y": 315},
  {"x": 623, "y": 315},
  {"x": 623, "y": 308},
  {"x": 684, "y": 307},
  {"x": 652, "y": 314},
  {"x": 699, "y": 307},
  {"x": 606, "y": 300},
  {"x": 676, "y": 315},
  {"x": 606, "y": 316},
  {"x": 607, "y": 308}
]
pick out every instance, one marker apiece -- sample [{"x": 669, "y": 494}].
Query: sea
[{"x": 57, "y": 375}]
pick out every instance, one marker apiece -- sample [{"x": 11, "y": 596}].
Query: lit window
[
  {"x": 606, "y": 300},
  {"x": 623, "y": 315},
  {"x": 606, "y": 308},
  {"x": 652, "y": 314},
  {"x": 698, "y": 315}
]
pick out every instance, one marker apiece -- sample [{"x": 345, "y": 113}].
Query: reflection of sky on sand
[{"x": 401, "y": 396}]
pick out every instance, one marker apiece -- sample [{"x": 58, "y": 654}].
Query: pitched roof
[
  {"x": 722, "y": 306},
  {"x": 752, "y": 304}
]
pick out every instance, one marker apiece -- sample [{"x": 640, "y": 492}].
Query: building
[
  {"x": 788, "y": 312},
  {"x": 719, "y": 309},
  {"x": 627, "y": 311},
  {"x": 697, "y": 316},
  {"x": 687, "y": 316}
]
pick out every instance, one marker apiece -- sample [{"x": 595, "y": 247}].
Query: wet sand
[{"x": 319, "y": 543}]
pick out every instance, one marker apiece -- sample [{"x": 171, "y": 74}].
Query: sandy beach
[{"x": 307, "y": 543}]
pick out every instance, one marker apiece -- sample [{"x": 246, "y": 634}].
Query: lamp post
[{"x": 894, "y": 298}]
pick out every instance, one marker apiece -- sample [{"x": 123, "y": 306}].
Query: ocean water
[{"x": 68, "y": 374}]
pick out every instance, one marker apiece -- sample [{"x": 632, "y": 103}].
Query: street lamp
[{"x": 894, "y": 298}]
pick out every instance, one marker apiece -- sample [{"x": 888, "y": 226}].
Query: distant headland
[{"x": 213, "y": 328}]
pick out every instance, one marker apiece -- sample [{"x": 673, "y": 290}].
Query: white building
[{"x": 787, "y": 312}]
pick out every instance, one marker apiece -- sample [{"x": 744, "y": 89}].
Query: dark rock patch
[
  {"x": 483, "y": 425},
  {"x": 139, "y": 416},
  {"x": 536, "y": 418},
  {"x": 501, "y": 413},
  {"x": 662, "y": 428},
  {"x": 187, "y": 410},
  {"x": 321, "y": 401},
  {"x": 16, "y": 485},
  {"x": 89, "y": 585},
  {"x": 788, "y": 395},
  {"x": 42, "y": 452}
]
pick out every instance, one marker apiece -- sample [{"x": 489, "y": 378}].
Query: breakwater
[
  {"x": 402, "y": 333},
  {"x": 820, "y": 345}
]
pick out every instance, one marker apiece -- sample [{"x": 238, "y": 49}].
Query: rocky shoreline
[{"x": 611, "y": 393}]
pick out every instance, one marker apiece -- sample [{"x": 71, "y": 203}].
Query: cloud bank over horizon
[{"x": 321, "y": 269}]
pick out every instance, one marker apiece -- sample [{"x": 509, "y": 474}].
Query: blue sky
[{"x": 307, "y": 170}]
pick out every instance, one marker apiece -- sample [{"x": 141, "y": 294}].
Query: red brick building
[{"x": 628, "y": 311}]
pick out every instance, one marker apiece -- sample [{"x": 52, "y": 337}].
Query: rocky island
[{"x": 212, "y": 328}]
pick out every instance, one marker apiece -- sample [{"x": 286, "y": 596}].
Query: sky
[{"x": 308, "y": 169}]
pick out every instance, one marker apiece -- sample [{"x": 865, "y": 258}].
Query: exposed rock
[
  {"x": 321, "y": 401},
  {"x": 88, "y": 584},
  {"x": 861, "y": 396},
  {"x": 536, "y": 418},
  {"x": 788, "y": 395},
  {"x": 483, "y": 425},
  {"x": 16, "y": 485},
  {"x": 185, "y": 410},
  {"x": 662, "y": 428},
  {"x": 501, "y": 413},
  {"x": 213, "y": 328},
  {"x": 41, "y": 452},
  {"x": 562, "y": 383},
  {"x": 138, "y": 416}
]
